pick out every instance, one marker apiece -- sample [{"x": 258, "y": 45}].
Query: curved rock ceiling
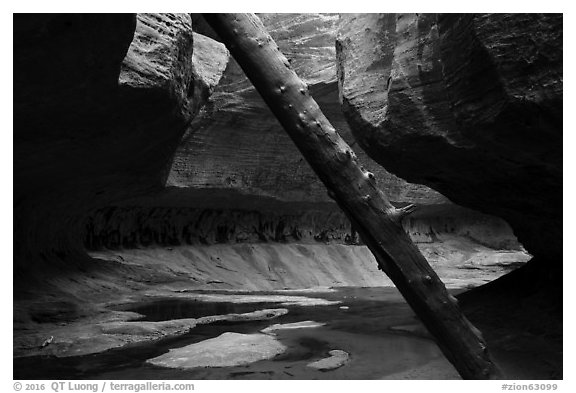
[
  {"x": 236, "y": 142},
  {"x": 470, "y": 105}
]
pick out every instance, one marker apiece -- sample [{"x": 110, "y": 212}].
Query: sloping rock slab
[
  {"x": 287, "y": 326},
  {"x": 284, "y": 300},
  {"x": 337, "y": 359},
  {"x": 227, "y": 350}
]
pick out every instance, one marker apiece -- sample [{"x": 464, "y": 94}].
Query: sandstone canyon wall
[
  {"x": 237, "y": 177},
  {"x": 140, "y": 131},
  {"x": 101, "y": 102},
  {"x": 470, "y": 105},
  {"x": 144, "y": 158}
]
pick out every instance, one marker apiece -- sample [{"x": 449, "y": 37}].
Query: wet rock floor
[
  {"x": 373, "y": 328},
  {"x": 373, "y": 325}
]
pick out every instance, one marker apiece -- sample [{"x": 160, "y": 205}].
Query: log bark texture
[{"x": 355, "y": 191}]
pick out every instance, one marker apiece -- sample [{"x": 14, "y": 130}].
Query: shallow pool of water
[
  {"x": 366, "y": 328},
  {"x": 168, "y": 309}
]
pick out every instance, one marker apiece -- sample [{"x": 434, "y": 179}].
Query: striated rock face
[
  {"x": 144, "y": 226},
  {"x": 100, "y": 104},
  {"x": 108, "y": 152},
  {"x": 470, "y": 105},
  {"x": 236, "y": 143},
  {"x": 136, "y": 133}
]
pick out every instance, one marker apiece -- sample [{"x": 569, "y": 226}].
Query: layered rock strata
[
  {"x": 100, "y": 105},
  {"x": 140, "y": 226},
  {"x": 470, "y": 105},
  {"x": 236, "y": 142}
]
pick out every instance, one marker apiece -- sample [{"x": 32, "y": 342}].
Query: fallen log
[{"x": 355, "y": 191}]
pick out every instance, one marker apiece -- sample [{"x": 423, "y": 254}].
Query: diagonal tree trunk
[{"x": 355, "y": 191}]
